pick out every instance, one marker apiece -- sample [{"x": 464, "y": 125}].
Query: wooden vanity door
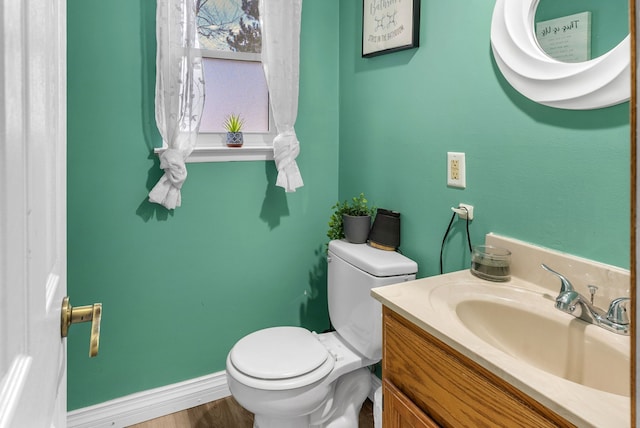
[{"x": 401, "y": 412}]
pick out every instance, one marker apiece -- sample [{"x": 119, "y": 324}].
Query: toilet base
[
  {"x": 343, "y": 409},
  {"x": 340, "y": 410},
  {"x": 271, "y": 422}
]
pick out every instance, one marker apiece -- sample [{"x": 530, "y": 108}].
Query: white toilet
[{"x": 290, "y": 377}]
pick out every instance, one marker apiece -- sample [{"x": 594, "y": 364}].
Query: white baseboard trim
[
  {"x": 151, "y": 404},
  {"x": 154, "y": 403}
]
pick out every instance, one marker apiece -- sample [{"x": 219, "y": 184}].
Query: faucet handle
[
  {"x": 565, "y": 285},
  {"x": 617, "y": 312},
  {"x": 592, "y": 291}
]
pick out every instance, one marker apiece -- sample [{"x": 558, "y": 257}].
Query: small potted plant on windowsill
[
  {"x": 233, "y": 124},
  {"x": 351, "y": 220}
]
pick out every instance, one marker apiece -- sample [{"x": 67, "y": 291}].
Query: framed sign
[{"x": 389, "y": 26}]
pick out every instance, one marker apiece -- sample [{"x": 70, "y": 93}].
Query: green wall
[
  {"x": 179, "y": 288},
  {"x": 552, "y": 177}
]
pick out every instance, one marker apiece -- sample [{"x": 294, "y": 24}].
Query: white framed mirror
[{"x": 600, "y": 82}]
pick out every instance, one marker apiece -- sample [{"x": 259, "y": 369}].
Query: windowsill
[
  {"x": 226, "y": 154},
  {"x": 210, "y": 148}
]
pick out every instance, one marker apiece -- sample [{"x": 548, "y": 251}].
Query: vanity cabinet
[
  {"x": 401, "y": 412},
  {"x": 426, "y": 383}
]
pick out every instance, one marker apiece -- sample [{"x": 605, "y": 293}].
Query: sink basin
[
  {"x": 525, "y": 325},
  {"x": 562, "y": 346}
]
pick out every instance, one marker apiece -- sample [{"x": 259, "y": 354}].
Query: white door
[{"x": 32, "y": 212}]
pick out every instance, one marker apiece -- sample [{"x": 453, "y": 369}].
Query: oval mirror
[{"x": 599, "y": 82}]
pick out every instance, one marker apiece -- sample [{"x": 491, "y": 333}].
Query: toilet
[{"x": 290, "y": 377}]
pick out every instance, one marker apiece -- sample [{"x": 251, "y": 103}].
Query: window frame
[{"x": 211, "y": 146}]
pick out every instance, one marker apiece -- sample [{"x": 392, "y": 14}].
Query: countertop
[{"x": 579, "y": 404}]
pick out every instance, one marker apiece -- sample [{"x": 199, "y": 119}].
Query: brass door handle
[{"x": 71, "y": 315}]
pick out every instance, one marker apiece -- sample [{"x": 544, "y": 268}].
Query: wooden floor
[{"x": 227, "y": 413}]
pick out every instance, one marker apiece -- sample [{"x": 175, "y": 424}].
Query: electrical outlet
[
  {"x": 456, "y": 171},
  {"x": 465, "y": 211}
]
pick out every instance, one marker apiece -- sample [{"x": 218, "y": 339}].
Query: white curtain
[
  {"x": 179, "y": 95},
  {"x": 280, "y": 21}
]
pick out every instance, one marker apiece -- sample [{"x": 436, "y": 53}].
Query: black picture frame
[{"x": 389, "y": 26}]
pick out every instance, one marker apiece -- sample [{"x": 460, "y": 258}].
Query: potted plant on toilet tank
[
  {"x": 351, "y": 220},
  {"x": 233, "y": 124}
]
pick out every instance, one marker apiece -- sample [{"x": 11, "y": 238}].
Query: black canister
[{"x": 385, "y": 233}]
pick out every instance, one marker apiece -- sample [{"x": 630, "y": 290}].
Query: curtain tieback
[
  {"x": 172, "y": 162},
  {"x": 167, "y": 190},
  {"x": 286, "y": 149}
]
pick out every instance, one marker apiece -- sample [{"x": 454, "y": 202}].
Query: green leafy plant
[
  {"x": 233, "y": 123},
  {"x": 358, "y": 206}
]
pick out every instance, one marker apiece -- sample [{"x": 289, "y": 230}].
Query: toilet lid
[{"x": 278, "y": 353}]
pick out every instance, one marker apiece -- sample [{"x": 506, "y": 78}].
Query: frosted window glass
[{"x": 237, "y": 87}]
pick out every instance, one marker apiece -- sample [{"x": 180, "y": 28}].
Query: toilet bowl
[
  {"x": 290, "y": 377},
  {"x": 292, "y": 391}
]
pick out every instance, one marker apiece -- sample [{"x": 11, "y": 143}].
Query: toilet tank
[{"x": 353, "y": 270}]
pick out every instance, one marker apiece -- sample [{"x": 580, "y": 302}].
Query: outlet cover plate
[{"x": 456, "y": 170}]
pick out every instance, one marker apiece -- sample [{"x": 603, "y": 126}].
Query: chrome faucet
[{"x": 615, "y": 319}]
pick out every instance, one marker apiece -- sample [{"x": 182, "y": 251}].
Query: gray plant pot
[
  {"x": 356, "y": 228},
  {"x": 234, "y": 139}
]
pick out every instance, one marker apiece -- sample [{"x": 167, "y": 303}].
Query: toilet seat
[{"x": 279, "y": 358}]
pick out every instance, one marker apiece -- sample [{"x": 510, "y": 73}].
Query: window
[{"x": 230, "y": 40}]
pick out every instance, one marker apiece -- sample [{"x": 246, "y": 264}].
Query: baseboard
[
  {"x": 151, "y": 404},
  {"x": 146, "y": 405}
]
